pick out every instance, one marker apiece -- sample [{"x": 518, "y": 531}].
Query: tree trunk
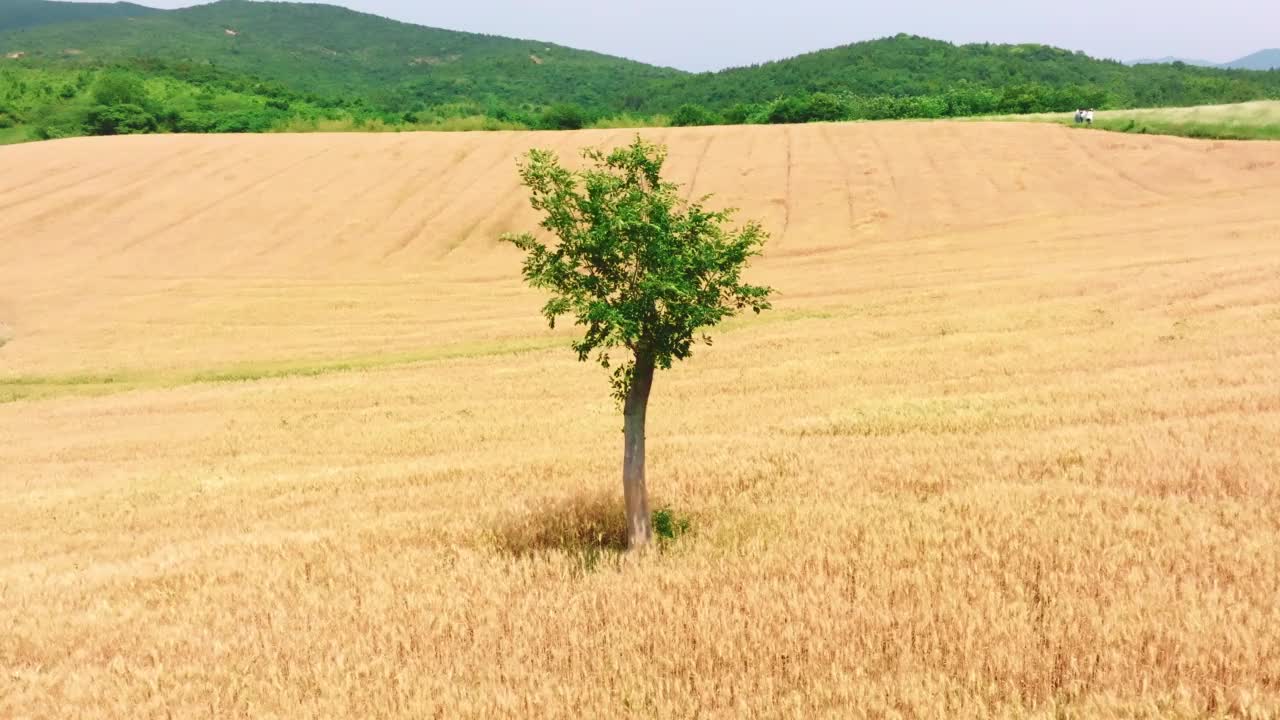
[{"x": 639, "y": 524}]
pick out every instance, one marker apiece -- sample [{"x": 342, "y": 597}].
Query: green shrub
[
  {"x": 59, "y": 121},
  {"x": 743, "y": 113},
  {"x": 825, "y": 107},
  {"x": 668, "y": 527},
  {"x": 818, "y": 107},
  {"x": 126, "y": 119},
  {"x": 785, "y": 111},
  {"x": 627, "y": 120},
  {"x": 195, "y": 121},
  {"x": 117, "y": 87},
  {"x": 563, "y": 117},
  {"x": 690, "y": 115}
]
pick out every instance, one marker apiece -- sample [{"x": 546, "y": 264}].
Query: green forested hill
[
  {"x": 19, "y": 14},
  {"x": 400, "y": 67},
  {"x": 137, "y": 97},
  {"x": 329, "y": 50},
  {"x": 914, "y": 66}
]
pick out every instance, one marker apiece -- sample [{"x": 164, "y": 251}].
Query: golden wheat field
[{"x": 283, "y": 435}]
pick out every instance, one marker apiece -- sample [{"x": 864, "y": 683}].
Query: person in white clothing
[{"x": 1088, "y": 117}]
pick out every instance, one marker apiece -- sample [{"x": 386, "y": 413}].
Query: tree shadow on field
[
  {"x": 576, "y": 524},
  {"x": 589, "y": 527}
]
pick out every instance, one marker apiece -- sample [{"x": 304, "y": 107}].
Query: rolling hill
[
  {"x": 329, "y": 49},
  {"x": 386, "y": 204},
  {"x": 20, "y": 14},
  {"x": 1261, "y": 60},
  {"x": 907, "y": 65}
]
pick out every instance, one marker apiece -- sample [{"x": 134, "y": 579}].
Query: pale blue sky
[{"x": 712, "y": 34}]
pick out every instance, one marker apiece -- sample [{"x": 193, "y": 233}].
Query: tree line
[{"x": 146, "y": 96}]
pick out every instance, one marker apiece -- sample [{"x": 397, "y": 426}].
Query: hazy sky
[{"x": 712, "y": 34}]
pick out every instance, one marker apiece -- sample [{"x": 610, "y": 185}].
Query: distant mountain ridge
[
  {"x": 1261, "y": 60},
  {"x": 1169, "y": 60}
]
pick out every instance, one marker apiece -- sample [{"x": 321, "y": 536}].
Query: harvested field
[{"x": 282, "y": 434}]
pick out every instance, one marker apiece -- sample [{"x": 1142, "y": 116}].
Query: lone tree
[{"x": 643, "y": 271}]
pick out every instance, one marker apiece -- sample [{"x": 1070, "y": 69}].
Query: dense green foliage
[
  {"x": 331, "y": 50},
  {"x": 641, "y": 270},
  {"x": 19, "y": 14},
  {"x": 563, "y": 116},
  {"x": 1033, "y": 78},
  {"x": 690, "y": 115},
  {"x": 53, "y": 102},
  {"x": 245, "y": 66}
]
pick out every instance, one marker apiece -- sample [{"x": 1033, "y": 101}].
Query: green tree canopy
[
  {"x": 126, "y": 119},
  {"x": 564, "y": 116},
  {"x": 690, "y": 115},
  {"x": 119, "y": 88}
]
